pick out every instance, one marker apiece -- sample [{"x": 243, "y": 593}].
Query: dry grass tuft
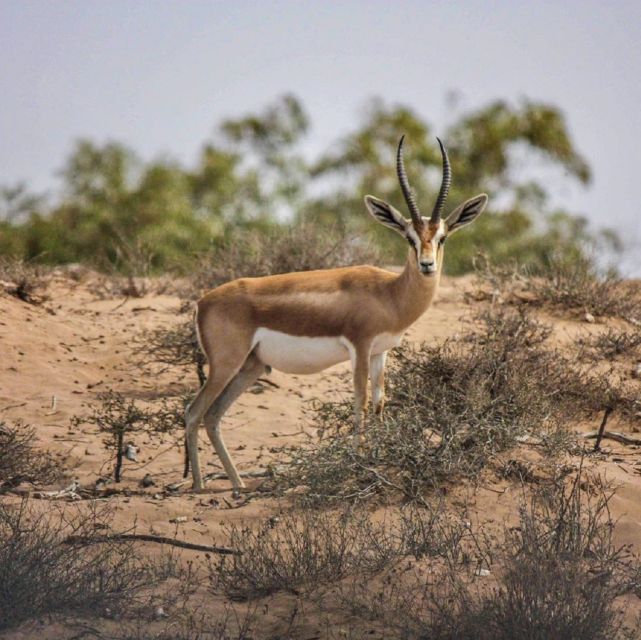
[
  {"x": 22, "y": 280},
  {"x": 610, "y": 345}
]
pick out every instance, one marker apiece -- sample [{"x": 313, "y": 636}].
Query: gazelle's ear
[
  {"x": 466, "y": 213},
  {"x": 387, "y": 215}
]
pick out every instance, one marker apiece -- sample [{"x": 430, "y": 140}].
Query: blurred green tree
[{"x": 116, "y": 210}]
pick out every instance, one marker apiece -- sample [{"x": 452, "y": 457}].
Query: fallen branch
[
  {"x": 269, "y": 382},
  {"x": 613, "y": 435},
  {"x": 144, "y": 537}
]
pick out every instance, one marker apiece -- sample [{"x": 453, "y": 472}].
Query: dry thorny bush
[
  {"x": 557, "y": 574},
  {"x": 610, "y": 344},
  {"x": 574, "y": 285},
  {"x": 119, "y": 418},
  {"x": 42, "y": 574},
  {"x": 20, "y": 461},
  {"x": 424, "y": 572},
  {"x": 307, "y": 549},
  {"x": 453, "y": 408}
]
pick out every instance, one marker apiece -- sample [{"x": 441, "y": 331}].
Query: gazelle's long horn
[
  {"x": 406, "y": 189},
  {"x": 445, "y": 186}
]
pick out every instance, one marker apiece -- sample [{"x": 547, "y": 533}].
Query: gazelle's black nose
[{"x": 427, "y": 266}]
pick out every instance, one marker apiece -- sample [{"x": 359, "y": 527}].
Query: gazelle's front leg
[
  {"x": 360, "y": 365},
  {"x": 377, "y": 377}
]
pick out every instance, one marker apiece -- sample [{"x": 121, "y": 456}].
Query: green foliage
[{"x": 119, "y": 212}]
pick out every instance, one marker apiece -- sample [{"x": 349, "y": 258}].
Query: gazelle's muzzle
[{"x": 427, "y": 267}]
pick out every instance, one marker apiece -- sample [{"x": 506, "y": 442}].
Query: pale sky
[{"x": 159, "y": 75}]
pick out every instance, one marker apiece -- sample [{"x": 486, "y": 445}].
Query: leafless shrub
[
  {"x": 300, "y": 247},
  {"x": 20, "y": 461},
  {"x": 303, "y": 549},
  {"x": 610, "y": 344},
  {"x": 40, "y": 575},
  {"x": 119, "y": 417},
  {"x": 556, "y": 575},
  {"x": 22, "y": 280},
  {"x": 175, "y": 346}
]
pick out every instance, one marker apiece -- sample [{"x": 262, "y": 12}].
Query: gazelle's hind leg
[
  {"x": 251, "y": 370},
  {"x": 226, "y": 363},
  {"x": 377, "y": 377}
]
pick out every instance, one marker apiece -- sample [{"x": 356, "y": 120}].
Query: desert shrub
[
  {"x": 302, "y": 247},
  {"x": 40, "y": 575},
  {"x": 609, "y": 345},
  {"x": 118, "y": 418},
  {"x": 20, "y": 461},
  {"x": 453, "y": 407},
  {"x": 302, "y": 549},
  {"x": 557, "y": 574},
  {"x": 576, "y": 286}
]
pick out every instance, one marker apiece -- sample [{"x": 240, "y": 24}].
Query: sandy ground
[{"x": 56, "y": 357}]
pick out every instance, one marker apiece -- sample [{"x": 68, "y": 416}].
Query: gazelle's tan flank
[{"x": 305, "y": 322}]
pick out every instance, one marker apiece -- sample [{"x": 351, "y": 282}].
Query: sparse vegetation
[
  {"x": 303, "y": 549},
  {"x": 119, "y": 418},
  {"x": 175, "y": 346},
  {"x": 20, "y": 461},
  {"x": 22, "y": 279},
  {"x": 452, "y": 408},
  {"x": 610, "y": 344},
  {"x": 571, "y": 285},
  {"x": 40, "y": 575},
  {"x": 557, "y": 574}
]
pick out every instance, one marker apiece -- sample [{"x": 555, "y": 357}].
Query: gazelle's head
[{"x": 426, "y": 236}]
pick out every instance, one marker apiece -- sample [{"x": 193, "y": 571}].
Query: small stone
[
  {"x": 178, "y": 520},
  {"x": 636, "y": 371},
  {"x": 159, "y": 613},
  {"x": 131, "y": 452},
  {"x": 482, "y": 573},
  {"x": 88, "y": 452},
  {"x": 588, "y": 317},
  {"x": 147, "y": 481}
]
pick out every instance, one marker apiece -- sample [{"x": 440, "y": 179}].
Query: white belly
[{"x": 301, "y": 354}]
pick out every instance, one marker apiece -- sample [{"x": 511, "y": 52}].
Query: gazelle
[{"x": 305, "y": 322}]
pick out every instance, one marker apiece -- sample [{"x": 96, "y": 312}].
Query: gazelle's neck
[{"x": 414, "y": 290}]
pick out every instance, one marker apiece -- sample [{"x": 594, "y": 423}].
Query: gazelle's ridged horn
[
  {"x": 445, "y": 186},
  {"x": 405, "y": 187}
]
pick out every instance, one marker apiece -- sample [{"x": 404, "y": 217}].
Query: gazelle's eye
[{"x": 441, "y": 242}]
